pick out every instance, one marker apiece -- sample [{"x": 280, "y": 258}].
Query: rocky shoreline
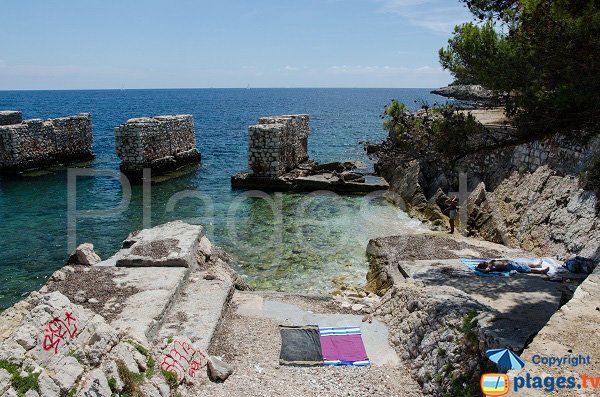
[
  {"x": 470, "y": 93},
  {"x": 524, "y": 195},
  {"x": 105, "y": 327},
  {"x": 122, "y": 325}
]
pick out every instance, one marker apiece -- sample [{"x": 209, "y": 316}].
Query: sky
[{"x": 95, "y": 44}]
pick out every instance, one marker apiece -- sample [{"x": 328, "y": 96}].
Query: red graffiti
[
  {"x": 57, "y": 329},
  {"x": 183, "y": 360}
]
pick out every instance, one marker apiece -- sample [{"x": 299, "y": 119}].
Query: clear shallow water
[{"x": 287, "y": 242}]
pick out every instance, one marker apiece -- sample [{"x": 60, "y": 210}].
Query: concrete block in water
[
  {"x": 278, "y": 144},
  {"x": 9, "y": 117},
  {"x": 161, "y": 143},
  {"x": 36, "y": 143}
]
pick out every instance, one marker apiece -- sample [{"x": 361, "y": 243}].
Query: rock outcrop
[
  {"x": 471, "y": 93},
  {"x": 542, "y": 212},
  {"x": 525, "y": 195},
  {"x": 84, "y": 255},
  {"x": 104, "y": 330}
]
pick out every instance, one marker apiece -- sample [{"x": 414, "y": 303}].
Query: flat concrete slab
[
  {"x": 375, "y": 334},
  {"x": 172, "y": 244},
  {"x": 522, "y": 303},
  {"x": 198, "y": 311},
  {"x": 143, "y": 312},
  {"x": 335, "y": 183}
]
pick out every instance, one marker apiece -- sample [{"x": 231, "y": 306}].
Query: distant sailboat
[{"x": 248, "y": 87}]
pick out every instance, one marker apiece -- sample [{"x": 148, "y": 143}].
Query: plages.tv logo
[
  {"x": 498, "y": 384},
  {"x": 495, "y": 384}
]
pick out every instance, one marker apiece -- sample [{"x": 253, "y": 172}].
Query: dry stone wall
[
  {"x": 37, "y": 143},
  {"x": 160, "y": 143},
  {"x": 560, "y": 153},
  {"x": 8, "y": 117},
  {"x": 278, "y": 144}
]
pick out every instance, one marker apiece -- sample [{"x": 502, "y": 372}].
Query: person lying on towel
[{"x": 505, "y": 265}]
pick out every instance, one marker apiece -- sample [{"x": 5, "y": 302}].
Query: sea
[{"x": 292, "y": 242}]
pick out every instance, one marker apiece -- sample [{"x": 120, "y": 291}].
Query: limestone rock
[
  {"x": 218, "y": 370},
  {"x": 405, "y": 190},
  {"x": 67, "y": 373},
  {"x": 10, "y": 393},
  {"x": 4, "y": 381},
  {"x": 469, "y": 92},
  {"x": 84, "y": 255},
  {"x": 94, "y": 384},
  {"x": 483, "y": 217},
  {"x": 47, "y": 386}
]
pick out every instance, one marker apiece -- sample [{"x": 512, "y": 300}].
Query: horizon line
[{"x": 215, "y": 88}]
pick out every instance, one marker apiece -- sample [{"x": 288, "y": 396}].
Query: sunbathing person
[{"x": 503, "y": 265}]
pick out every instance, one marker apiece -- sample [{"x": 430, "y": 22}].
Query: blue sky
[{"x": 79, "y": 44}]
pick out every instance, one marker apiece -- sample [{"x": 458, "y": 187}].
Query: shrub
[{"x": 437, "y": 129}]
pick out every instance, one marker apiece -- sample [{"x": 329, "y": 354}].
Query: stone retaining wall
[
  {"x": 8, "y": 117},
  {"x": 37, "y": 143},
  {"x": 559, "y": 153},
  {"x": 160, "y": 143},
  {"x": 278, "y": 144}
]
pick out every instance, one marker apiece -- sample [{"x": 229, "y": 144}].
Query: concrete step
[{"x": 198, "y": 310}]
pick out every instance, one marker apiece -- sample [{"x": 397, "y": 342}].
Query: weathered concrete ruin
[
  {"x": 161, "y": 143},
  {"x": 278, "y": 160},
  {"x": 278, "y": 144},
  {"x": 37, "y": 143}
]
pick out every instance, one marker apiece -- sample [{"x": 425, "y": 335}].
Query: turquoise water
[{"x": 301, "y": 245}]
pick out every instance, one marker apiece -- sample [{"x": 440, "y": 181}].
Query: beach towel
[
  {"x": 343, "y": 346},
  {"x": 300, "y": 346},
  {"x": 555, "y": 266},
  {"x": 473, "y": 262}
]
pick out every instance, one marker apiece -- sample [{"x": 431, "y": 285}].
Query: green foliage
[
  {"x": 22, "y": 384},
  {"x": 437, "y": 129},
  {"x": 112, "y": 384},
  {"x": 139, "y": 347},
  {"x": 71, "y": 392},
  {"x": 151, "y": 365},
  {"x": 543, "y": 54},
  {"x": 131, "y": 381},
  {"x": 150, "y": 362},
  {"x": 469, "y": 325},
  {"x": 76, "y": 354},
  {"x": 171, "y": 379}
]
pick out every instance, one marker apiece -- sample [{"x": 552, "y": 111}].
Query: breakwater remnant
[
  {"x": 278, "y": 144},
  {"x": 161, "y": 143},
  {"x": 36, "y": 143},
  {"x": 8, "y": 117},
  {"x": 278, "y": 160}
]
